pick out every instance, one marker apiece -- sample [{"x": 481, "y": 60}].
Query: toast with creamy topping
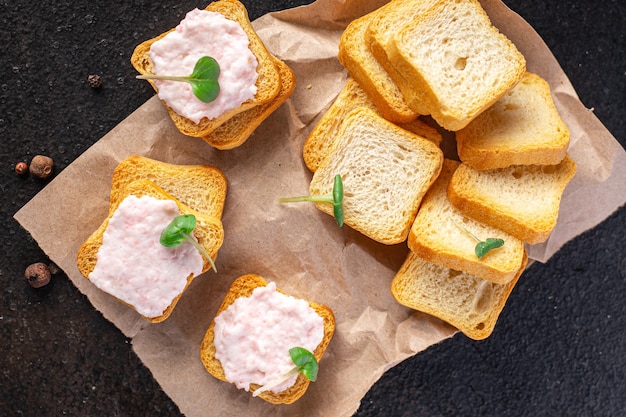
[
  {"x": 386, "y": 170},
  {"x": 352, "y": 96},
  {"x": 469, "y": 303},
  {"x": 441, "y": 234},
  {"x": 523, "y": 200},
  {"x": 201, "y": 187},
  {"x": 268, "y": 82},
  {"x": 522, "y": 128},
  {"x": 209, "y": 233},
  {"x": 243, "y": 287}
]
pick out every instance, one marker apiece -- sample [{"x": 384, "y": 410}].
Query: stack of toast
[
  {"x": 434, "y": 69},
  {"x": 275, "y": 84},
  {"x": 199, "y": 190}
]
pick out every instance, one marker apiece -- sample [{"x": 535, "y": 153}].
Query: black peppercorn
[
  {"x": 37, "y": 275},
  {"x": 21, "y": 168},
  {"x": 41, "y": 166},
  {"x": 95, "y": 81}
]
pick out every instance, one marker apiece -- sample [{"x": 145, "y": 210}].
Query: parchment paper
[{"x": 297, "y": 246}]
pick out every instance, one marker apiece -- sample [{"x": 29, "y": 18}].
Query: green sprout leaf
[
  {"x": 203, "y": 79},
  {"x": 304, "y": 362},
  {"x": 482, "y": 247},
  {"x": 336, "y": 199},
  {"x": 179, "y": 230}
]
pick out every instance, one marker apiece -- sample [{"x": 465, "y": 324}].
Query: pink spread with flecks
[{"x": 203, "y": 33}]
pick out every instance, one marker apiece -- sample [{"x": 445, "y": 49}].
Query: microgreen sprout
[
  {"x": 336, "y": 199},
  {"x": 304, "y": 362},
  {"x": 482, "y": 246},
  {"x": 179, "y": 230},
  {"x": 203, "y": 79}
]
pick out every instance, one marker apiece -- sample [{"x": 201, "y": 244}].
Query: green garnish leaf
[
  {"x": 203, "y": 79},
  {"x": 179, "y": 230},
  {"x": 482, "y": 248},
  {"x": 305, "y": 363},
  {"x": 336, "y": 199}
]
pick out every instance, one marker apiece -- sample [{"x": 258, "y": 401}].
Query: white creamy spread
[
  {"x": 254, "y": 334},
  {"x": 203, "y": 33},
  {"x": 133, "y": 266}
]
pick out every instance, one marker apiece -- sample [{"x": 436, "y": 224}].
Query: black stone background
[{"x": 558, "y": 349}]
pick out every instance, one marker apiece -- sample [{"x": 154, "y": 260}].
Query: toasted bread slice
[
  {"x": 522, "y": 128},
  {"x": 522, "y": 200},
  {"x": 209, "y": 232},
  {"x": 386, "y": 171},
  {"x": 379, "y": 33},
  {"x": 352, "y": 96},
  {"x": 268, "y": 81},
  {"x": 355, "y": 55},
  {"x": 236, "y": 130},
  {"x": 455, "y": 61},
  {"x": 469, "y": 303},
  {"x": 440, "y": 235},
  {"x": 243, "y": 287},
  {"x": 201, "y": 187}
]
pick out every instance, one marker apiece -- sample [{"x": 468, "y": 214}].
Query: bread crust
[
  {"x": 421, "y": 52},
  {"x": 469, "y": 303},
  {"x": 236, "y": 130},
  {"x": 209, "y": 232},
  {"x": 386, "y": 170},
  {"x": 355, "y": 55},
  {"x": 243, "y": 287},
  {"x": 201, "y": 187},
  {"x": 506, "y": 197},
  {"x": 436, "y": 236},
  {"x": 522, "y": 128},
  {"x": 268, "y": 81}
]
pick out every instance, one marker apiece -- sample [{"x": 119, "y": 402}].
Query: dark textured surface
[{"x": 559, "y": 346}]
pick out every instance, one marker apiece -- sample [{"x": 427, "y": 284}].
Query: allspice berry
[
  {"x": 94, "y": 80},
  {"x": 41, "y": 166},
  {"x": 21, "y": 168},
  {"x": 37, "y": 275}
]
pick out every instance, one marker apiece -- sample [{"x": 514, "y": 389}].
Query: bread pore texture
[
  {"x": 469, "y": 303},
  {"x": 386, "y": 171},
  {"x": 441, "y": 234},
  {"x": 455, "y": 61},
  {"x": 522, "y": 128},
  {"x": 523, "y": 200}
]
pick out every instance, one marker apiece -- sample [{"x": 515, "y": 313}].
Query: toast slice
[
  {"x": 386, "y": 171},
  {"x": 352, "y": 96},
  {"x": 201, "y": 187},
  {"x": 440, "y": 235},
  {"x": 455, "y": 62},
  {"x": 379, "y": 33},
  {"x": 209, "y": 233},
  {"x": 268, "y": 82},
  {"x": 243, "y": 287},
  {"x": 469, "y": 303},
  {"x": 355, "y": 55},
  {"x": 522, "y": 200},
  {"x": 236, "y": 130},
  {"x": 522, "y": 128}
]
